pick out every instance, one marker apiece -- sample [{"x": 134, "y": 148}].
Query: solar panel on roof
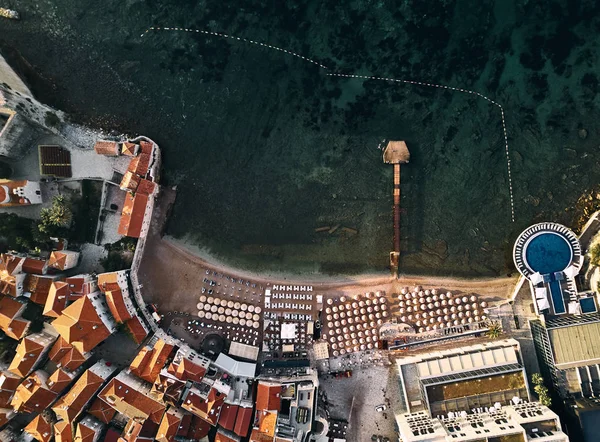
[{"x": 55, "y": 161}]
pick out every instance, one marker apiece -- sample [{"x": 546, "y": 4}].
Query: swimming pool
[
  {"x": 557, "y": 297},
  {"x": 548, "y": 252},
  {"x": 587, "y": 305}
]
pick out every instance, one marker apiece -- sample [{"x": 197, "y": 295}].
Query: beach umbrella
[
  {"x": 453, "y": 316},
  {"x": 449, "y": 324},
  {"x": 446, "y": 317},
  {"x": 473, "y": 298},
  {"x": 214, "y": 309},
  {"x": 477, "y": 318},
  {"x": 383, "y": 307},
  {"x": 354, "y": 305},
  {"x": 460, "y": 308},
  {"x": 441, "y": 325},
  {"x": 200, "y": 305},
  {"x": 483, "y": 317},
  {"x": 448, "y": 295},
  {"x": 456, "y": 322},
  {"x": 418, "y": 323},
  {"x": 207, "y": 307},
  {"x": 463, "y": 321},
  {"x": 235, "y": 313},
  {"x": 257, "y": 310},
  {"x": 222, "y": 318},
  {"x": 336, "y": 316},
  {"x": 417, "y": 315},
  {"x": 342, "y": 315},
  {"x": 228, "y": 319},
  {"x": 342, "y": 352},
  {"x": 345, "y": 330},
  {"x": 336, "y": 353},
  {"x": 369, "y": 309},
  {"x": 223, "y": 302},
  {"x": 236, "y": 305},
  {"x": 428, "y": 299},
  {"x": 342, "y": 299},
  {"x": 427, "y": 292},
  {"x": 435, "y": 298},
  {"x": 442, "y": 296},
  {"x": 337, "y": 323},
  {"x": 334, "y": 309},
  {"x": 436, "y": 304},
  {"x": 475, "y": 311},
  {"x": 355, "y": 341},
  {"x": 236, "y": 321},
  {"x": 457, "y": 300},
  {"x": 343, "y": 321},
  {"x": 467, "y": 307},
  {"x": 404, "y": 290},
  {"x": 329, "y": 317},
  {"x": 372, "y": 324},
  {"x": 329, "y": 301},
  {"x": 469, "y": 320},
  {"x": 202, "y": 298},
  {"x": 230, "y": 304},
  {"x": 440, "y": 319},
  {"x": 461, "y": 315},
  {"x": 242, "y": 322},
  {"x": 341, "y": 307},
  {"x": 361, "y": 304},
  {"x": 421, "y": 329},
  {"x": 403, "y": 318},
  {"x": 402, "y": 311},
  {"x": 334, "y": 346},
  {"x": 444, "y": 302},
  {"x": 340, "y": 338},
  {"x": 452, "y": 309},
  {"x": 251, "y": 308},
  {"x": 228, "y": 311},
  {"x": 221, "y": 310},
  {"x": 418, "y": 288},
  {"x": 376, "y": 308},
  {"x": 201, "y": 314},
  {"x": 465, "y": 299},
  {"x": 468, "y": 314},
  {"x": 431, "y": 320},
  {"x": 350, "y": 320},
  {"x": 410, "y": 317},
  {"x": 428, "y": 328},
  {"x": 451, "y": 302},
  {"x": 370, "y": 346},
  {"x": 208, "y": 315},
  {"x": 430, "y": 306},
  {"x": 483, "y": 304},
  {"x": 210, "y": 300}
]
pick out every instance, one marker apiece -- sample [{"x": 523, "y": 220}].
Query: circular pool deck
[{"x": 546, "y": 248}]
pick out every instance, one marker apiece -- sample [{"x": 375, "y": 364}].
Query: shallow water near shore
[{"x": 264, "y": 147}]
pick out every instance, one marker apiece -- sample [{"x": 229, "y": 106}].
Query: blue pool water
[
  {"x": 587, "y": 305},
  {"x": 548, "y": 253},
  {"x": 557, "y": 297}
]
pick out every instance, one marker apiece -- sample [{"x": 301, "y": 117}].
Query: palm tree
[{"x": 494, "y": 329}]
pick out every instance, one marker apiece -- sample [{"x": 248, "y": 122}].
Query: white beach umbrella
[
  {"x": 483, "y": 304},
  {"x": 342, "y": 299},
  {"x": 224, "y": 302},
  {"x": 200, "y": 305},
  {"x": 208, "y": 315},
  {"x": 222, "y": 318},
  {"x": 228, "y": 319},
  {"x": 329, "y": 301},
  {"x": 334, "y": 309},
  {"x": 461, "y": 315},
  {"x": 242, "y": 322},
  {"x": 210, "y": 300},
  {"x": 214, "y": 308},
  {"x": 201, "y": 314},
  {"x": 460, "y": 308},
  {"x": 257, "y": 309}
]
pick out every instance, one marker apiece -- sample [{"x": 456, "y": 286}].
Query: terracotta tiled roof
[
  {"x": 169, "y": 425},
  {"x": 109, "y": 281},
  {"x": 268, "y": 396},
  {"x": 116, "y": 304},
  {"x": 139, "y": 165},
  {"x": 109, "y": 148},
  {"x": 80, "y": 325},
  {"x": 63, "y": 259},
  {"x": 8, "y": 384},
  {"x": 87, "y": 430},
  {"x": 81, "y": 285},
  {"x": 242, "y": 422},
  {"x": 267, "y": 421},
  {"x": 146, "y": 187},
  {"x": 10, "y": 263},
  {"x": 223, "y": 437},
  {"x": 27, "y": 355},
  {"x": 57, "y": 299},
  {"x": 70, "y": 406},
  {"x": 138, "y": 431},
  {"x": 39, "y": 287},
  {"x": 129, "y": 149},
  {"x": 130, "y": 182},
  {"x": 149, "y": 362},
  {"x": 102, "y": 411},
  {"x": 132, "y": 216},
  {"x": 137, "y": 330},
  {"x": 199, "y": 428},
  {"x": 35, "y": 266},
  {"x": 59, "y": 349},
  {"x": 208, "y": 409},
  {"x": 63, "y": 432},
  {"x": 40, "y": 429},
  {"x": 186, "y": 370},
  {"x": 11, "y": 322},
  {"x": 131, "y": 402},
  {"x": 257, "y": 436},
  {"x": 73, "y": 359},
  {"x": 146, "y": 146},
  {"x": 59, "y": 380},
  {"x": 228, "y": 415},
  {"x": 112, "y": 435},
  {"x": 32, "y": 395},
  {"x": 168, "y": 388}
]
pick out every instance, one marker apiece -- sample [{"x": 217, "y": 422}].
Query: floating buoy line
[{"x": 365, "y": 77}]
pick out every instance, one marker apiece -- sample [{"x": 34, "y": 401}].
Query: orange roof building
[
  {"x": 117, "y": 306},
  {"x": 228, "y": 416},
  {"x": 242, "y": 421},
  {"x": 167, "y": 388},
  {"x": 85, "y": 323},
  {"x": 113, "y": 281},
  {"x": 81, "y": 285},
  {"x": 146, "y": 147},
  {"x": 265, "y": 430},
  {"x": 33, "y": 394},
  {"x": 60, "y": 380},
  {"x": 63, "y": 432},
  {"x": 140, "y": 164},
  {"x": 132, "y": 216},
  {"x": 19, "y": 193},
  {"x": 8, "y": 385},
  {"x": 130, "y": 149},
  {"x": 37, "y": 288},
  {"x": 6, "y": 414},
  {"x": 35, "y": 266},
  {"x": 70, "y": 406},
  {"x": 66, "y": 356},
  {"x": 30, "y": 353},
  {"x": 135, "y": 431},
  {"x": 131, "y": 397},
  {"x": 268, "y": 396},
  {"x": 11, "y": 321},
  {"x": 56, "y": 301},
  {"x": 89, "y": 429},
  {"x": 130, "y": 182},
  {"x": 151, "y": 359},
  {"x": 226, "y": 436},
  {"x": 63, "y": 259},
  {"x": 138, "y": 330},
  {"x": 40, "y": 429},
  {"x": 206, "y": 407},
  {"x": 101, "y": 410},
  {"x": 108, "y": 148},
  {"x": 169, "y": 425},
  {"x": 146, "y": 187},
  {"x": 188, "y": 365}
]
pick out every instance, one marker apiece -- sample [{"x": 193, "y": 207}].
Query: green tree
[
  {"x": 541, "y": 390},
  {"x": 59, "y": 215},
  {"x": 537, "y": 379},
  {"x": 595, "y": 254},
  {"x": 494, "y": 329}
]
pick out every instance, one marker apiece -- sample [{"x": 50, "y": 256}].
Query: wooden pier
[{"x": 396, "y": 153}]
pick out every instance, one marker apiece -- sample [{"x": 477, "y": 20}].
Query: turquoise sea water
[{"x": 264, "y": 147}]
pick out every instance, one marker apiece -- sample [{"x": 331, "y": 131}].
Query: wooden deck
[{"x": 396, "y": 153}]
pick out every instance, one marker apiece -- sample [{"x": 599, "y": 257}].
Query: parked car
[{"x": 381, "y": 408}]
